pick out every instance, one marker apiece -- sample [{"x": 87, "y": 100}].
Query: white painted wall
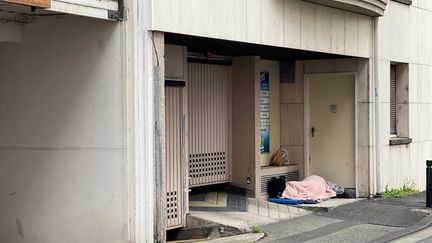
[
  {"x": 63, "y": 170},
  {"x": 286, "y": 23},
  {"x": 406, "y": 37}
]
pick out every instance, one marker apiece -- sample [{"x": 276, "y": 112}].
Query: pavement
[{"x": 380, "y": 220}]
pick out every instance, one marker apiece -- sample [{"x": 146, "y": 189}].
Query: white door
[{"x": 332, "y": 128}]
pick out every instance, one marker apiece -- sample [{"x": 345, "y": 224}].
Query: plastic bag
[{"x": 280, "y": 158}]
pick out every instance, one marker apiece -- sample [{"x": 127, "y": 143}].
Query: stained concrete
[
  {"x": 363, "y": 221},
  {"x": 329, "y": 204}
]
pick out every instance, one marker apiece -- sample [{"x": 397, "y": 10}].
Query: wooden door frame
[{"x": 306, "y": 114}]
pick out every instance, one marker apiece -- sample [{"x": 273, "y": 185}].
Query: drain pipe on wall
[{"x": 376, "y": 72}]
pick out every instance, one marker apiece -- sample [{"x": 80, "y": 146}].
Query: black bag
[{"x": 276, "y": 186}]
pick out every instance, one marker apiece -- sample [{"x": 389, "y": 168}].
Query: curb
[{"x": 421, "y": 225}]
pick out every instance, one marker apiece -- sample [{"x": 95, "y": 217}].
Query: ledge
[
  {"x": 366, "y": 7},
  {"x": 400, "y": 141},
  {"x": 407, "y": 2},
  {"x": 270, "y": 170}
]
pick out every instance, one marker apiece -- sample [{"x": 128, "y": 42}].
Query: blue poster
[{"x": 265, "y": 112}]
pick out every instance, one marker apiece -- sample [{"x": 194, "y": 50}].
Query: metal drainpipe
[{"x": 377, "y": 108}]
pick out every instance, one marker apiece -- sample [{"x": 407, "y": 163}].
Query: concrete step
[
  {"x": 221, "y": 201},
  {"x": 274, "y": 210}
]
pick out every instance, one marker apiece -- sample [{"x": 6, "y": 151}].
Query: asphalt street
[{"x": 379, "y": 220}]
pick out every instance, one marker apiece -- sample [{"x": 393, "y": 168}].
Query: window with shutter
[
  {"x": 393, "y": 100},
  {"x": 399, "y": 104}
]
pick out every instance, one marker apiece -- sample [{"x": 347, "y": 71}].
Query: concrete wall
[
  {"x": 273, "y": 68},
  {"x": 405, "y": 37},
  {"x": 63, "y": 170},
  {"x": 292, "y": 114},
  {"x": 286, "y": 23},
  {"x": 245, "y": 122}
]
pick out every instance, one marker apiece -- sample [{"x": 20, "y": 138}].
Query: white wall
[
  {"x": 63, "y": 175},
  {"x": 286, "y": 23},
  {"x": 406, "y": 38}
]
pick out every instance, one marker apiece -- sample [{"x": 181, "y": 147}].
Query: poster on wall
[{"x": 265, "y": 112}]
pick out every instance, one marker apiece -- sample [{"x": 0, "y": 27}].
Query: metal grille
[
  {"x": 208, "y": 123},
  {"x": 208, "y": 164},
  {"x": 393, "y": 104},
  {"x": 290, "y": 176},
  {"x": 172, "y": 209},
  {"x": 287, "y": 72},
  {"x": 174, "y": 148}
]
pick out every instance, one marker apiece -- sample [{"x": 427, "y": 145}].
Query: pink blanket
[{"x": 312, "y": 188}]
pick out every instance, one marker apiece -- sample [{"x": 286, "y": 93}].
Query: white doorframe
[{"x": 307, "y": 120}]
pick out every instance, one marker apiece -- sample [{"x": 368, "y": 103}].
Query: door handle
[{"x": 313, "y": 131}]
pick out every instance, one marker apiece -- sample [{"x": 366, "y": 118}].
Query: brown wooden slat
[{"x": 32, "y": 3}]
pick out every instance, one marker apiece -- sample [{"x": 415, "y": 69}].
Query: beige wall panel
[
  {"x": 363, "y": 91},
  {"x": 167, "y": 17},
  {"x": 413, "y": 117},
  {"x": 272, "y": 22},
  {"x": 245, "y": 121},
  {"x": 175, "y": 62},
  {"x": 351, "y": 34},
  {"x": 363, "y": 124},
  {"x": 226, "y": 19},
  {"x": 292, "y": 128},
  {"x": 413, "y": 82},
  {"x": 413, "y": 35},
  {"x": 308, "y": 25},
  {"x": 62, "y": 142},
  {"x": 291, "y": 93},
  {"x": 364, "y": 35},
  {"x": 424, "y": 37},
  {"x": 63, "y": 102},
  {"x": 253, "y": 21},
  {"x": 384, "y": 91},
  {"x": 397, "y": 32},
  {"x": 414, "y": 163},
  {"x": 294, "y": 93},
  {"x": 330, "y": 66},
  {"x": 323, "y": 29},
  {"x": 295, "y": 154},
  {"x": 363, "y": 170},
  {"x": 288, "y": 23},
  {"x": 292, "y": 23},
  {"x": 57, "y": 190},
  {"x": 11, "y": 32},
  {"x": 424, "y": 83},
  {"x": 337, "y": 31},
  {"x": 192, "y": 17},
  {"x": 273, "y": 68}
]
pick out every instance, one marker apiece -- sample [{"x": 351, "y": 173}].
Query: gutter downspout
[{"x": 376, "y": 72}]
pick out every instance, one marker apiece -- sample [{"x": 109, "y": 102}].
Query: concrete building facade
[{"x": 111, "y": 111}]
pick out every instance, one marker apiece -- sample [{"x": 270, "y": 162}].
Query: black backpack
[{"x": 276, "y": 186}]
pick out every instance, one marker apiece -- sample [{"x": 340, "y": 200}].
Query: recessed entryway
[{"x": 330, "y": 128}]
